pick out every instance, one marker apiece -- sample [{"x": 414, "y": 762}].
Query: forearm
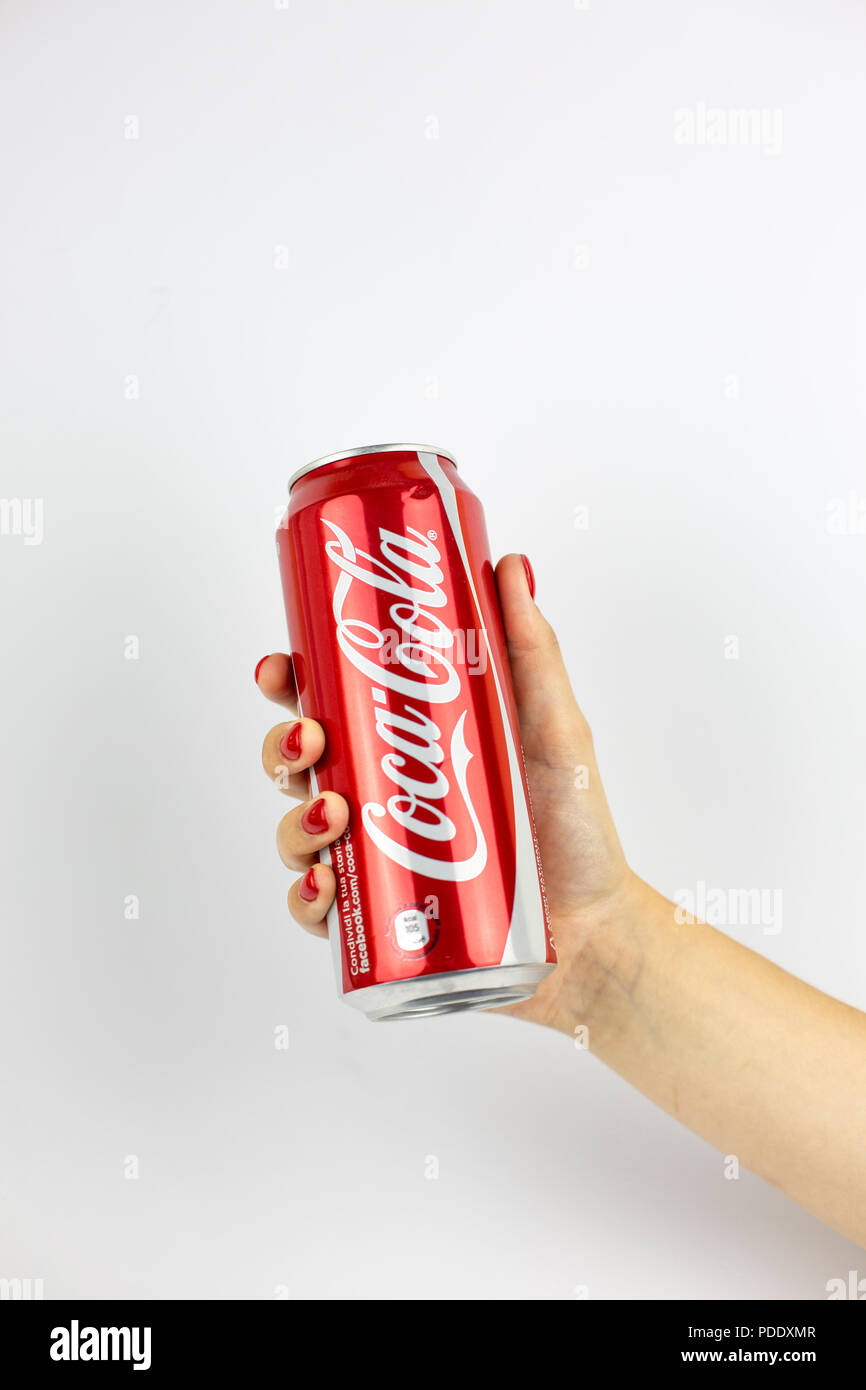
[{"x": 752, "y": 1059}]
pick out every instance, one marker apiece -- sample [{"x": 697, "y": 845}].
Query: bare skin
[{"x": 754, "y": 1060}]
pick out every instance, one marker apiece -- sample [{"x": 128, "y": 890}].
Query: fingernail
[
  {"x": 259, "y": 667},
  {"x": 307, "y": 888},
  {"x": 530, "y": 576},
  {"x": 315, "y": 818},
  {"x": 290, "y": 743}
]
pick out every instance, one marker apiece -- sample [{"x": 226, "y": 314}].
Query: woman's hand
[{"x": 585, "y": 873}]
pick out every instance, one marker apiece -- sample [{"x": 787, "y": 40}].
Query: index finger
[{"x": 275, "y": 679}]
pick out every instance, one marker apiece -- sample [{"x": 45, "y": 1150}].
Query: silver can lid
[{"x": 371, "y": 449}]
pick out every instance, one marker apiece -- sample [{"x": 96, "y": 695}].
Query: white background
[{"x": 589, "y": 314}]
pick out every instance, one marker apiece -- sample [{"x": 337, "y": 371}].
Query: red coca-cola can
[{"x": 399, "y": 652}]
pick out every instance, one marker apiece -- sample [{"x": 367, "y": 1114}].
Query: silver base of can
[{"x": 426, "y": 996}]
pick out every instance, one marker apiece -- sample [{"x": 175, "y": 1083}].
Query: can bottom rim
[
  {"x": 432, "y": 1008},
  {"x": 459, "y": 991}
]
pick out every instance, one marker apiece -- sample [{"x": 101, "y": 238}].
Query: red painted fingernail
[
  {"x": 258, "y": 668},
  {"x": 307, "y": 888},
  {"x": 530, "y": 576},
  {"x": 315, "y": 818},
  {"x": 290, "y": 743}
]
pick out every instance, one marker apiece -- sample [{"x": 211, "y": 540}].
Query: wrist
[{"x": 602, "y": 950}]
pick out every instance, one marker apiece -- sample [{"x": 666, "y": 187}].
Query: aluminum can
[{"x": 399, "y": 652}]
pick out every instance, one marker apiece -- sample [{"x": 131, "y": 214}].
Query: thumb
[{"x": 551, "y": 724}]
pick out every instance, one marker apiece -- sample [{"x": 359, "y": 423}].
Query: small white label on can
[{"x": 411, "y": 930}]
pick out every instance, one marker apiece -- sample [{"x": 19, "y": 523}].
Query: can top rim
[{"x": 371, "y": 449}]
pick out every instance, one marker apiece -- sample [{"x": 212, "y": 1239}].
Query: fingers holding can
[
  {"x": 309, "y": 828},
  {"x": 289, "y": 750},
  {"x": 301, "y": 834},
  {"x": 311, "y": 896},
  {"x": 276, "y": 680}
]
